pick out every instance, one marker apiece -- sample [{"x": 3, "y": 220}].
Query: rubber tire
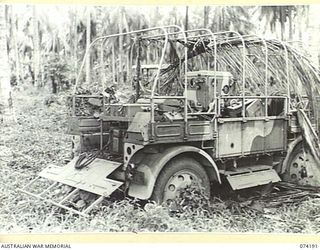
[
  {"x": 174, "y": 166},
  {"x": 297, "y": 150}
]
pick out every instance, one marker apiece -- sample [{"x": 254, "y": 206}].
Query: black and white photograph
[{"x": 159, "y": 118}]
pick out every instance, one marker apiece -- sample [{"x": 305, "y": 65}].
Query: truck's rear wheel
[
  {"x": 302, "y": 167},
  {"x": 176, "y": 176}
]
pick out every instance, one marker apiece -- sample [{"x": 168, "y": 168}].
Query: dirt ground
[{"x": 38, "y": 138}]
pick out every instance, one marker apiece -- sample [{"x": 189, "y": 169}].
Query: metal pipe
[
  {"x": 101, "y": 65},
  {"x": 111, "y": 36},
  {"x": 155, "y": 84},
  {"x": 243, "y": 63},
  {"x": 202, "y": 113},
  {"x": 287, "y": 74},
  {"x": 158, "y": 73},
  {"x": 131, "y": 56},
  {"x": 185, "y": 84},
  {"x": 167, "y": 97},
  {"x": 254, "y": 97},
  {"x": 212, "y": 37},
  {"x": 266, "y": 71},
  {"x": 138, "y": 69}
]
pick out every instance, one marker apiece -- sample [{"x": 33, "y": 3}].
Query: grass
[{"x": 38, "y": 138}]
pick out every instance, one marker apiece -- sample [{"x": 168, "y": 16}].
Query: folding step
[
  {"x": 252, "y": 176},
  {"x": 92, "y": 179}
]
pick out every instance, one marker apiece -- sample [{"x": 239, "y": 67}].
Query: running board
[
  {"x": 92, "y": 179},
  {"x": 251, "y": 176}
]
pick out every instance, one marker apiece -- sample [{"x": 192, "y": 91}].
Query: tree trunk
[
  {"x": 300, "y": 16},
  {"x": 15, "y": 46},
  {"x": 282, "y": 22},
  {"x": 114, "y": 73},
  {"x": 99, "y": 30},
  {"x": 5, "y": 88},
  {"x": 312, "y": 36},
  {"x": 138, "y": 69},
  {"x": 54, "y": 85},
  {"x": 187, "y": 17},
  {"x": 206, "y": 10},
  {"x": 220, "y": 28},
  {"x": 75, "y": 46},
  {"x": 126, "y": 51},
  {"x": 36, "y": 47},
  {"x": 120, "y": 44},
  {"x": 290, "y": 25},
  {"x": 88, "y": 32}
]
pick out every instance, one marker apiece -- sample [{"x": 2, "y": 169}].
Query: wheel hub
[
  {"x": 177, "y": 183},
  {"x": 303, "y": 169}
]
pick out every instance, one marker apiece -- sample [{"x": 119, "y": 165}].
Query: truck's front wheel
[
  {"x": 178, "y": 174},
  {"x": 302, "y": 167}
]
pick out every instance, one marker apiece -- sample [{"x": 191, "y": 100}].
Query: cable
[{"x": 85, "y": 159}]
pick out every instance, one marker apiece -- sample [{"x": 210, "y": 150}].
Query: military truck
[{"x": 193, "y": 119}]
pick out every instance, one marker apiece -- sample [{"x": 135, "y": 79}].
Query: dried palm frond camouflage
[{"x": 270, "y": 65}]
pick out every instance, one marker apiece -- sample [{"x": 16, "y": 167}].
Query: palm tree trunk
[
  {"x": 75, "y": 44},
  {"x": 5, "y": 88},
  {"x": 299, "y": 17},
  {"x": 99, "y": 32},
  {"x": 88, "y": 33},
  {"x": 15, "y": 46},
  {"x": 126, "y": 52},
  {"x": 36, "y": 47},
  {"x": 186, "y": 20},
  {"x": 114, "y": 73},
  {"x": 120, "y": 44},
  {"x": 206, "y": 16},
  {"x": 290, "y": 25},
  {"x": 282, "y": 22},
  {"x": 313, "y": 38},
  {"x": 220, "y": 19}
]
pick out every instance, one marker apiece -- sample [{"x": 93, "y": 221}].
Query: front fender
[{"x": 152, "y": 164}]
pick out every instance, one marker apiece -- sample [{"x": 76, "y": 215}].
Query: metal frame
[
  {"x": 166, "y": 33},
  {"x": 215, "y": 38},
  {"x": 64, "y": 199},
  {"x": 210, "y": 35},
  {"x": 247, "y": 39},
  {"x": 266, "y": 68}
]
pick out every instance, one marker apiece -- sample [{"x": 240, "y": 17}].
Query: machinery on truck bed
[{"x": 205, "y": 108}]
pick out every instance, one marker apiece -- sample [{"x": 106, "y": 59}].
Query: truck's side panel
[{"x": 237, "y": 137}]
